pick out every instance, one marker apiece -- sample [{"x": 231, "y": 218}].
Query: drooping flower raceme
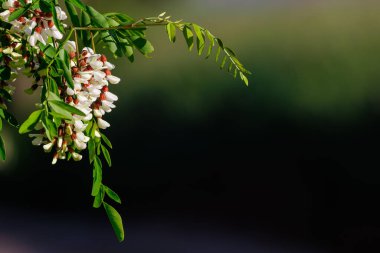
[
  {"x": 75, "y": 86},
  {"x": 35, "y": 24},
  {"x": 91, "y": 76}
]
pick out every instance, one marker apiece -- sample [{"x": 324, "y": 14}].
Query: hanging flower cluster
[
  {"x": 92, "y": 75},
  {"x": 75, "y": 85},
  {"x": 35, "y": 24}
]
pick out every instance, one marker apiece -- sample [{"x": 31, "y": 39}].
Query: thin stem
[
  {"x": 125, "y": 27},
  {"x": 92, "y": 41},
  {"x": 76, "y": 46},
  {"x": 63, "y": 43}
]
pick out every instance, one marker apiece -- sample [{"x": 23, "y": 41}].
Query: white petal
[
  {"x": 32, "y": 40},
  {"x": 103, "y": 124},
  {"x": 97, "y": 134},
  {"x": 76, "y": 156},
  {"x": 111, "y": 97},
  {"x": 70, "y": 91},
  {"x": 113, "y": 79},
  {"x": 109, "y": 65},
  {"x": 5, "y": 14},
  {"x": 79, "y": 126},
  {"x": 55, "y": 33},
  {"x": 108, "y": 103},
  {"x": 99, "y": 75},
  {"x": 55, "y": 159},
  {"x": 88, "y": 117},
  {"x": 37, "y": 141},
  {"x": 97, "y": 113},
  {"x": 61, "y": 15},
  {"x": 80, "y": 145},
  {"x": 70, "y": 46}
]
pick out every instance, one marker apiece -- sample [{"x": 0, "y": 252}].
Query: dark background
[{"x": 205, "y": 164}]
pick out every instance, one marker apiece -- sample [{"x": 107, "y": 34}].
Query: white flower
[
  {"x": 109, "y": 65},
  {"x": 113, "y": 79},
  {"x": 5, "y": 14},
  {"x": 53, "y": 32},
  {"x": 35, "y": 37},
  {"x": 38, "y": 139},
  {"x": 76, "y": 156},
  {"x": 103, "y": 124},
  {"x": 97, "y": 113},
  {"x": 97, "y": 134},
  {"x": 110, "y": 96},
  {"x": 80, "y": 145},
  {"x": 48, "y": 147},
  {"x": 60, "y": 141},
  {"x": 61, "y": 15},
  {"x": 87, "y": 52},
  {"x": 55, "y": 159},
  {"x": 70, "y": 46},
  {"x": 29, "y": 27},
  {"x": 79, "y": 126},
  {"x": 8, "y": 4},
  {"x": 82, "y": 137}
]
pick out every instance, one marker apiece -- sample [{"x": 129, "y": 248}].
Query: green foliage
[
  {"x": 122, "y": 35},
  {"x": 2, "y": 149},
  {"x": 116, "y": 221},
  {"x": 31, "y": 122}
]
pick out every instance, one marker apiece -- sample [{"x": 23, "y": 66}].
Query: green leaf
[
  {"x": 2, "y": 149},
  {"x": 64, "y": 63},
  {"x": 112, "y": 195},
  {"x": 72, "y": 13},
  {"x": 210, "y": 37},
  {"x": 78, "y": 4},
  {"x": 45, "y": 5},
  {"x": 1, "y": 124},
  {"x": 218, "y": 54},
  {"x": 50, "y": 128},
  {"x": 5, "y": 25},
  {"x": 97, "y": 176},
  {"x": 60, "y": 112},
  {"x": 189, "y": 37},
  {"x": 91, "y": 150},
  {"x": 18, "y": 13},
  {"x": 31, "y": 122},
  {"x": 115, "y": 220},
  {"x": 5, "y": 94},
  {"x": 65, "y": 107},
  {"x": 230, "y": 67},
  {"x": 143, "y": 45},
  {"x": 97, "y": 18},
  {"x": 5, "y": 73},
  {"x": 106, "y": 140},
  {"x": 244, "y": 78},
  {"x": 171, "y": 30},
  {"x": 98, "y": 200},
  {"x": 10, "y": 119},
  {"x": 211, "y": 45},
  {"x": 106, "y": 155},
  {"x": 223, "y": 62},
  {"x": 85, "y": 35},
  {"x": 51, "y": 96},
  {"x": 200, "y": 38},
  {"x": 57, "y": 22},
  {"x": 61, "y": 116}
]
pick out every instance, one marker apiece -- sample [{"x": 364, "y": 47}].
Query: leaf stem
[
  {"x": 125, "y": 27},
  {"x": 60, "y": 47}
]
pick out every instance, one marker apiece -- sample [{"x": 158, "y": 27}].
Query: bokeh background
[{"x": 205, "y": 164}]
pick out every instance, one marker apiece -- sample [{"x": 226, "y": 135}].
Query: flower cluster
[
  {"x": 35, "y": 24},
  {"x": 91, "y": 75}
]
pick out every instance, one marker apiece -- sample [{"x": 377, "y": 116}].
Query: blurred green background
[{"x": 293, "y": 157}]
